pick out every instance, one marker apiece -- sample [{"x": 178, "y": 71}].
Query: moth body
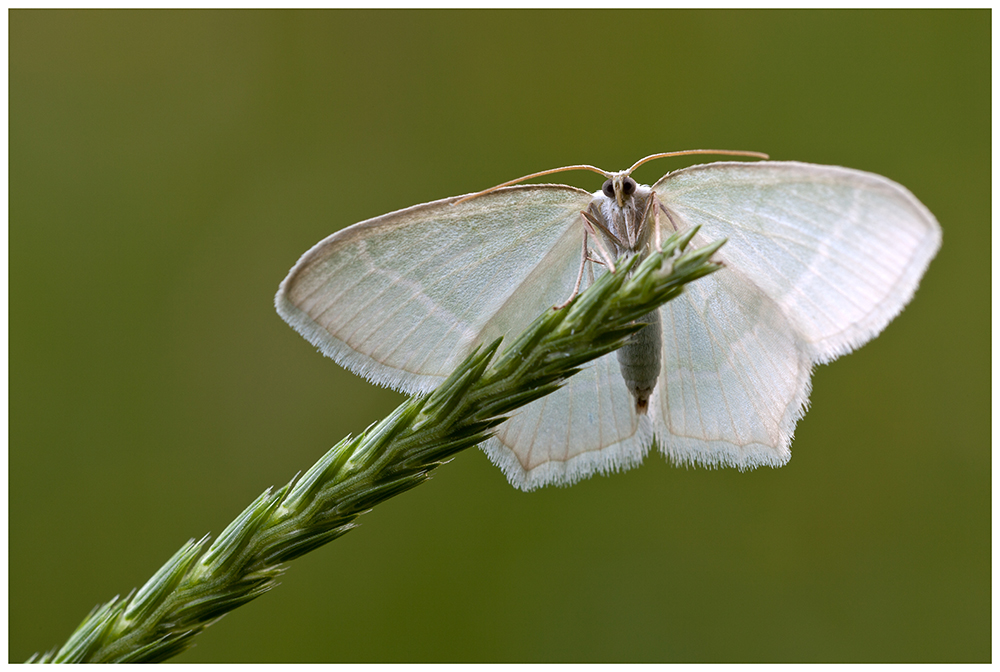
[{"x": 625, "y": 209}]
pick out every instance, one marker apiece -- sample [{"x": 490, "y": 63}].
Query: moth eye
[
  {"x": 608, "y": 189},
  {"x": 628, "y": 186}
]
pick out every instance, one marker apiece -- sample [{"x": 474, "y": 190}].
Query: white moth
[{"x": 819, "y": 260}]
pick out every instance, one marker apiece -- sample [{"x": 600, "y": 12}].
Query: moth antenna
[
  {"x": 528, "y": 177},
  {"x": 686, "y": 152}
]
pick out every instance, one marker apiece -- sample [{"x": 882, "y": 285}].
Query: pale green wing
[
  {"x": 819, "y": 260},
  {"x": 840, "y": 251},
  {"x": 588, "y": 426},
  {"x": 734, "y": 378},
  {"x": 403, "y": 298}
]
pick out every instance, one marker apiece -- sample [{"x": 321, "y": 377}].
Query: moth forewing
[{"x": 402, "y": 298}]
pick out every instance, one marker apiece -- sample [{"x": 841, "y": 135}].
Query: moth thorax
[{"x": 639, "y": 360}]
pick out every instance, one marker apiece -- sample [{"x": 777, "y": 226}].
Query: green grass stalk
[{"x": 202, "y": 582}]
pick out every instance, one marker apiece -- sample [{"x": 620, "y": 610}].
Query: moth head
[{"x": 619, "y": 187}]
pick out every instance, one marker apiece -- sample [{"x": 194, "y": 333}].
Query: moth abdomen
[{"x": 639, "y": 361}]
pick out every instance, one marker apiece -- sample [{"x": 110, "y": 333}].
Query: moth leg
[
  {"x": 579, "y": 276},
  {"x": 674, "y": 226},
  {"x": 656, "y": 220},
  {"x": 595, "y": 221},
  {"x": 591, "y": 225},
  {"x": 670, "y": 217},
  {"x": 591, "y": 222},
  {"x": 657, "y": 242}
]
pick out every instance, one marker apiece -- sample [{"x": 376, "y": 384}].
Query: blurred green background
[{"x": 168, "y": 168}]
